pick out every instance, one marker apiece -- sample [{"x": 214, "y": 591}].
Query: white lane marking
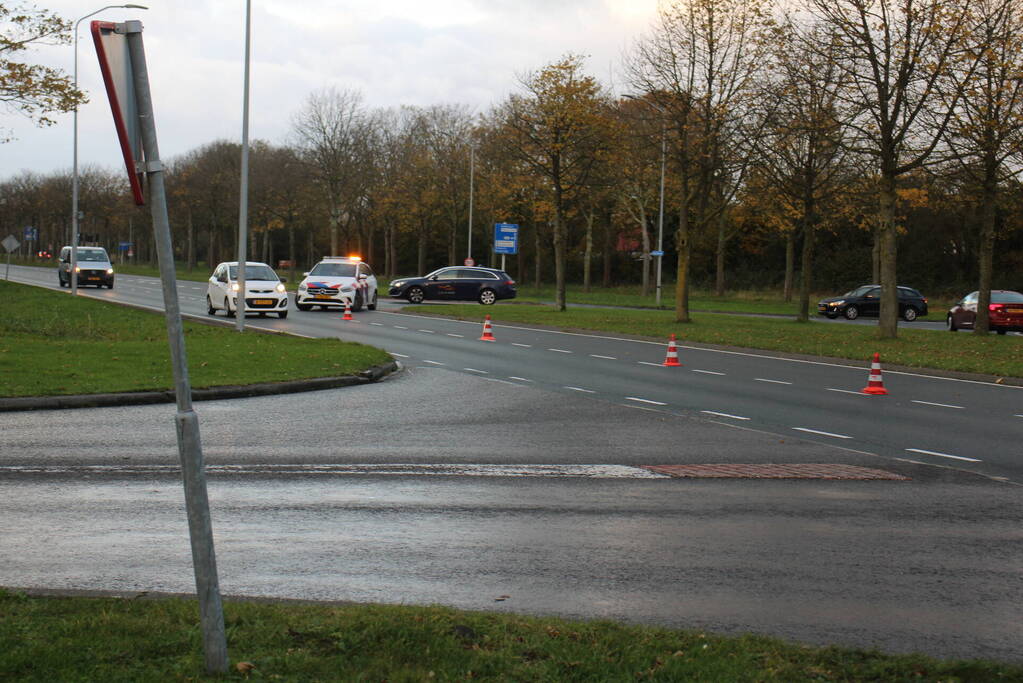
[
  {"x": 846, "y": 391},
  {"x": 399, "y": 327},
  {"x": 772, "y": 381},
  {"x": 940, "y": 405},
  {"x": 734, "y": 417},
  {"x": 377, "y": 324},
  {"x": 427, "y": 331},
  {"x": 399, "y": 355},
  {"x": 942, "y": 455},
  {"x": 460, "y": 336},
  {"x": 433, "y": 362},
  {"x": 593, "y": 355},
  {"x": 412, "y": 469},
  {"x": 585, "y": 391},
  {"x": 709, "y": 372},
  {"x": 525, "y": 346},
  {"x": 656, "y": 365},
  {"x": 482, "y": 372},
  {"x": 503, "y": 381},
  {"x": 521, "y": 379},
  {"x": 1019, "y": 416},
  {"x": 644, "y": 400},
  {"x": 815, "y": 431},
  {"x": 559, "y": 350}
]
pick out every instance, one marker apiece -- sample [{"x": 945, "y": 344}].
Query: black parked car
[
  {"x": 456, "y": 283},
  {"x": 866, "y": 300}
]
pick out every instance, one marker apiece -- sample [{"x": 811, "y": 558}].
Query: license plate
[
  {"x": 1014, "y": 310},
  {"x": 93, "y": 278},
  {"x": 263, "y": 302},
  {"x": 324, "y": 296}
]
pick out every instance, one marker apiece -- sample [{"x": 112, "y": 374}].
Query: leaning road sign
[
  {"x": 115, "y": 64},
  {"x": 11, "y": 243}
]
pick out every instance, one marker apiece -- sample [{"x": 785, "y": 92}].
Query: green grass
[
  {"x": 1001, "y": 356},
  {"x": 767, "y": 302},
  {"x": 54, "y": 344},
  {"x": 100, "y": 639}
]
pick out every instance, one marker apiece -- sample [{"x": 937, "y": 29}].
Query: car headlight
[
  {"x": 280, "y": 287},
  {"x": 837, "y": 303},
  {"x": 302, "y": 287},
  {"x": 399, "y": 283},
  {"x": 110, "y": 271},
  {"x": 78, "y": 269},
  {"x": 234, "y": 286},
  {"x": 347, "y": 289}
]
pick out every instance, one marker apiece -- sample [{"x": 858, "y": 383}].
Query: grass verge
[
  {"x": 1000, "y": 356},
  {"x": 105, "y": 639},
  {"x": 54, "y": 344}
]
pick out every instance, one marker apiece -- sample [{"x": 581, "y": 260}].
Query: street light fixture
[
  {"x": 660, "y": 211},
  {"x": 74, "y": 167}
]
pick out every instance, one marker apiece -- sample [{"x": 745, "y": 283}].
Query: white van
[{"x": 94, "y": 267}]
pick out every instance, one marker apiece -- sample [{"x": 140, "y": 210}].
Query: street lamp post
[
  {"x": 472, "y": 173},
  {"x": 660, "y": 210},
  {"x": 74, "y": 166}
]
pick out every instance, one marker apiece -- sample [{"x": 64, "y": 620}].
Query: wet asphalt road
[{"x": 90, "y": 499}]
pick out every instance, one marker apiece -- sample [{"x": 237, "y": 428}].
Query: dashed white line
[
  {"x": 942, "y": 455},
  {"x": 734, "y": 417},
  {"x": 559, "y": 350},
  {"x": 940, "y": 405},
  {"x": 460, "y": 336},
  {"x": 816, "y": 431},
  {"x": 482, "y": 372},
  {"x": 1019, "y": 415},
  {"x": 846, "y": 391},
  {"x": 656, "y": 365},
  {"x": 399, "y": 327},
  {"x": 593, "y": 355},
  {"x": 377, "y": 324},
  {"x": 585, "y": 391},
  {"x": 709, "y": 372},
  {"x": 521, "y": 379},
  {"x": 525, "y": 346},
  {"x": 399, "y": 355},
  {"x": 433, "y": 362},
  {"x": 426, "y": 331},
  {"x": 644, "y": 400},
  {"x": 772, "y": 381}
]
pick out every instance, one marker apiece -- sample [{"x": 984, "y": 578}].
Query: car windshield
[
  {"x": 333, "y": 270},
  {"x": 252, "y": 272},
  {"x": 859, "y": 291},
  {"x": 92, "y": 255},
  {"x": 1006, "y": 298}
]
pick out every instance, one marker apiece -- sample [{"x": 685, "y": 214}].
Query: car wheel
[
  {"x": 851, "y": 313},
  {"x": 415, "y": 295},
  {"x": 831, "y": 316},
  {"x": 302, "y": 307},
  {"x": 209, "y": 306},
  {"x": 950, "y": 324},
  {"x": 282, "y": 314},
  {"x": 909, "y": 315},
  {"x": 488, "y": 297},
  {"x": 373, "y": 306},
  {"x": 110, "y": 286},
  {"x": 1000, "y": 331},
  {"x": 61, "y": 281},
  {"x": 227, "y": 308},
  {"x": 357, "y": 303}
]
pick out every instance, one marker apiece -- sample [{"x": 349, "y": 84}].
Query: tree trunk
[
  {"x": 719, "y": 259},
  {"x": 536, "y": 260},
  {"x": 191, "y": 243},
  {"x": 682, "y": 271},
  {"x": 806, "y": 258},
  {"x": 888, "y": 321},
  {"x": 291, "y": 252},
  {"x": 589, "y": 251},
  {"x": 986, "y": 248},
  {"x": 559, "y": 254},
  {"x": 335, "y": 220},
  {"x": 790, "y": 264}
]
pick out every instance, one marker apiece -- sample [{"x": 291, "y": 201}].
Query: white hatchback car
[
  {"x": 264, "y": 291},
  {"x": 335, "y": 281}
]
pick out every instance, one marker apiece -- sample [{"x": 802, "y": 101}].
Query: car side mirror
[
  {"x": 283, "y": 279},
  {"x": 305, "y": 274}
]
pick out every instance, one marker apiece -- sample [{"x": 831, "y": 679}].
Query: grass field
[
  {"x": 54, "y": 344},
  {"x": 999, "y": 356},
  {"x": 94, "y": 639}
]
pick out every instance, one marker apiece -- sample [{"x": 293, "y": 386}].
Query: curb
[{"x": 373, "y": 374}]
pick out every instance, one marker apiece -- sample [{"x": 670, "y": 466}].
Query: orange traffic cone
[
  {"x": 487, "y": 334},
  {"x": 875, "y": 385},
  {"x": 348, "y": 311},
  {"x": 671, "y": 360}
]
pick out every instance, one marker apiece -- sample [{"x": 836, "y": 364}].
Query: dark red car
[{"x": 1005, "y": 312}]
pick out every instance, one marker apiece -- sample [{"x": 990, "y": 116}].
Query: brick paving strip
[{"x": 775, "y": 471}]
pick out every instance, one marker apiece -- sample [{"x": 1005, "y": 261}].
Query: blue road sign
[
  {"x": 657, "y": 253},
  {"x": 31, "y": 233},
  {"x": 506, "y": 238},
  {"x": 125, "y": 246}
]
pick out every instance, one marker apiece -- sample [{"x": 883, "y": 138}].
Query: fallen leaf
[{"x": 245, "y": 667}]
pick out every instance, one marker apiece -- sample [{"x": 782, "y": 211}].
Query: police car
[{"x": 336, "y": 281}]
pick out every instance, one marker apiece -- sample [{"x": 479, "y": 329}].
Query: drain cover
[{"x": 775, "y": 471}]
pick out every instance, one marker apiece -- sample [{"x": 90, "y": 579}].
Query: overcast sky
[{"x": 416, "y": 52}]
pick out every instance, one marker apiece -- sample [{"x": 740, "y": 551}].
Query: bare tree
[
  {"x": 331, "y": 130},
  {"x": 895, "y": 54}
]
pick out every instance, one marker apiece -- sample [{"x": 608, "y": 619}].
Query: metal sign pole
[{"x": 200, "y": 528}]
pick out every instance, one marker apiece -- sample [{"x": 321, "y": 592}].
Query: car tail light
[
  {"x": 995, "y": 308},
  {"x": 509, "y": 282}
]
